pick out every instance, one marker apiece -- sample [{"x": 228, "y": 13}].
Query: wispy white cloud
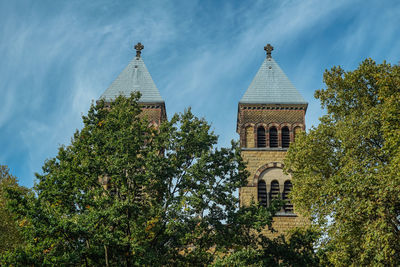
[
  {"x": 202, "y": 81},
  {"x": 56, "y": 64},
  {"x": 59, "y": 56}
]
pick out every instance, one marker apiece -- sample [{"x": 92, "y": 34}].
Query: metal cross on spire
[
  {"x": 139, "y": 47},
  {"x": 269, "y": 49}
]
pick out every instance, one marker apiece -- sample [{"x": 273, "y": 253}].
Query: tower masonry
[{"x": 270, "y": 114}]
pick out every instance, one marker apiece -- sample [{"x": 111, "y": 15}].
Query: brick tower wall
[
  {"x": 154, "y": 112},
  {"x": 250, "y": 117}
]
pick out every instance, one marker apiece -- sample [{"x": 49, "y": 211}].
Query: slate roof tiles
[
  {"x": 135, "y": 77},
  {"x": 271, "y": 86}
]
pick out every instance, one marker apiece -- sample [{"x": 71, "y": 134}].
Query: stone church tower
[
  {"x": 136, "y": 77},
  {"x": 270, "y": 114}
]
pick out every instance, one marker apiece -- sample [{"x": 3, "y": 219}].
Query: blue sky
[{"x": 59, "y": 56}]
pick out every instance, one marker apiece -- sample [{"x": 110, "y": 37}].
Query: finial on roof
[
  {"x": 139, "y": 47},
  {"x": 269, "y": 49}
]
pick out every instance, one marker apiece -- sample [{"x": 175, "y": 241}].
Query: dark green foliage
[
  {"x": 346, "y": 171},
  {"x": 10, "y": 236},
  {"x": 170, "y": 196},
  {"x": 296, "y": 249},
  {"x": 126, "y": 194}
]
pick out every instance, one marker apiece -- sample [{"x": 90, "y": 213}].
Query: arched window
[
  {"x": 285, "y": 137},
  {"x": 273, "y": 137},
  {"x": 262, "y": 193},
  {"x": 286, "y": 190},
  {"x": 278, "y": 186},
  {"x": 296, "y": 131},
  {"x": 261, "y": 137},
  {"x": 274, "y": 193}
]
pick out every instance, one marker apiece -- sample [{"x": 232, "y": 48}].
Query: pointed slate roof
[
  {"x": 271, "y": 86},
  {"x": 135, "y": 77}
]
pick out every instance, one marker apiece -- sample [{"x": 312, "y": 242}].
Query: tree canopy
[
  {"x": 126, "y": 193},
  {"x": 10, "y": 236},
  {"x": 346, "y": 171}
]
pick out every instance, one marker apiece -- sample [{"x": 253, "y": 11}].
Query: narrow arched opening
[
  {"x": 261, "y": 141},
  {"x": 273, "y": 137},
  {"x": 287, "y": 188},
  {"x": 262, "y": 193},
  {"x": 274, "y": 192},
  {"x": 285, "y": 137}
]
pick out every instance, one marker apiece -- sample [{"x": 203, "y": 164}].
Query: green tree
[
  {"x": 346, "y": 171},
  {"x": 295, "y": 248},
  {"x": 10, "y": 236},
  {"x": 124, "y": 194}
]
